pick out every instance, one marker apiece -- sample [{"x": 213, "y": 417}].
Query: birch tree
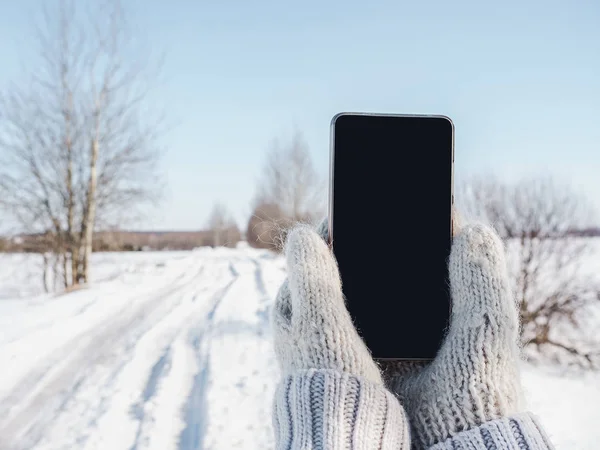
[{"x": 78, "y": 147}]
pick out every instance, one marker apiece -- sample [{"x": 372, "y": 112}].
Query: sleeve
[
  {"x": 326, "y": 409},
  {"x": 520, "y": 432}
]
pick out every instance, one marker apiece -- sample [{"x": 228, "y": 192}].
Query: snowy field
[{"x": 172, "y": 351}]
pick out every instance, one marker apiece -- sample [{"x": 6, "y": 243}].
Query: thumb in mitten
[
  {"x": 313, "y": 329},
  {"x": 474, "y": 378}
]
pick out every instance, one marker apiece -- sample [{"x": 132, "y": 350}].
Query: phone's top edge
[{"x": 423, "y": 116}]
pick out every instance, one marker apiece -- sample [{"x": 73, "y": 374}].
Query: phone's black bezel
[{"x": 331, "y": 183}]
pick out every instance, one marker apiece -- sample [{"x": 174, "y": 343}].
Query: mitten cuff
[
  {"x": 519, "y": 432},
  {"x": 326, "y": 409}
]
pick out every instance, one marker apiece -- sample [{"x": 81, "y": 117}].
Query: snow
[
  {"x": 172, "y": 350},
  {"x": 566, "y": 404}
]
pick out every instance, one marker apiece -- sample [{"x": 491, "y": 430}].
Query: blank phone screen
[{"x": 391, "y": 226}]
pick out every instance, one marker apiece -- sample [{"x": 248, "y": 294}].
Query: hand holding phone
[
  {"x": 391, "y": 205},
  {"x": 328, "y": 372}
]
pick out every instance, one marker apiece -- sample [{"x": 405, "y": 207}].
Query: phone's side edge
[
  {"x": 452, "y": 206},
  {"x": 331, "y": 176}
]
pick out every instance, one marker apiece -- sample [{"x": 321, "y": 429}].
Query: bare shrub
[
  {"x": 540, "y": 221},
  {"x": 267, "y": 227}
]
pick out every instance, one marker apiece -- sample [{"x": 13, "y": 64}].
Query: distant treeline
[
  {"x": 107, "y": 241},
  {"x": 113, "y": 241}
]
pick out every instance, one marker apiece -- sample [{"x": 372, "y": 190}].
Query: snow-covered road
[
  {"x": 170, "y": 353},
  {"x": 173, "y": 351}
]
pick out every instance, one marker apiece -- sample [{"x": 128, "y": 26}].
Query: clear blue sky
[{"x": 521, "y": 80}]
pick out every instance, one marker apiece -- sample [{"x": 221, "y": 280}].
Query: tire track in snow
[
  {"x": 240, "y": 376},
  {"x": 164, "y": 332},
  {"x": 161, "y": 369},
  {"x": 144, "y": 409},
  {"x": 42, "y": 395},
  {"x": 264, "y": 311},
  {"x": 54, "y": 359},
  {"x": 196, "y": 409}
]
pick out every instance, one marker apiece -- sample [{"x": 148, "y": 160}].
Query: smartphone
[{"x": 390, "y": 228}]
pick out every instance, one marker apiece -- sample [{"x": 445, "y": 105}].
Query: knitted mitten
[
  {"x": 470, "y": 396},
  {"x": 331, "y": 395}
]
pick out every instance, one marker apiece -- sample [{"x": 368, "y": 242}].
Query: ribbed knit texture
[
  {"x": 331, "y": 395},
  {"x": 325, "y": 409},
  {"x": 520, "y": 432}
]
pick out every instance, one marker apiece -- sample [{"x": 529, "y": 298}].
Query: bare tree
[
  {"x": 290, "y": 181},
  {"x": 539, "y": 220},
  {"x": 223, "y": 230},
  {"x": 217, "y": 224},
  {"x": 77, "y": 152},
  {"x": 290, "y": 190},
  {"x": 37, "y": 140},
  {"x": 122, "y": 151}
]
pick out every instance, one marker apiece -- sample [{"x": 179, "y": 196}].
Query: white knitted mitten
[
  {"x": 473, "y": 383},
  {"x": 332, "y": 395}
]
